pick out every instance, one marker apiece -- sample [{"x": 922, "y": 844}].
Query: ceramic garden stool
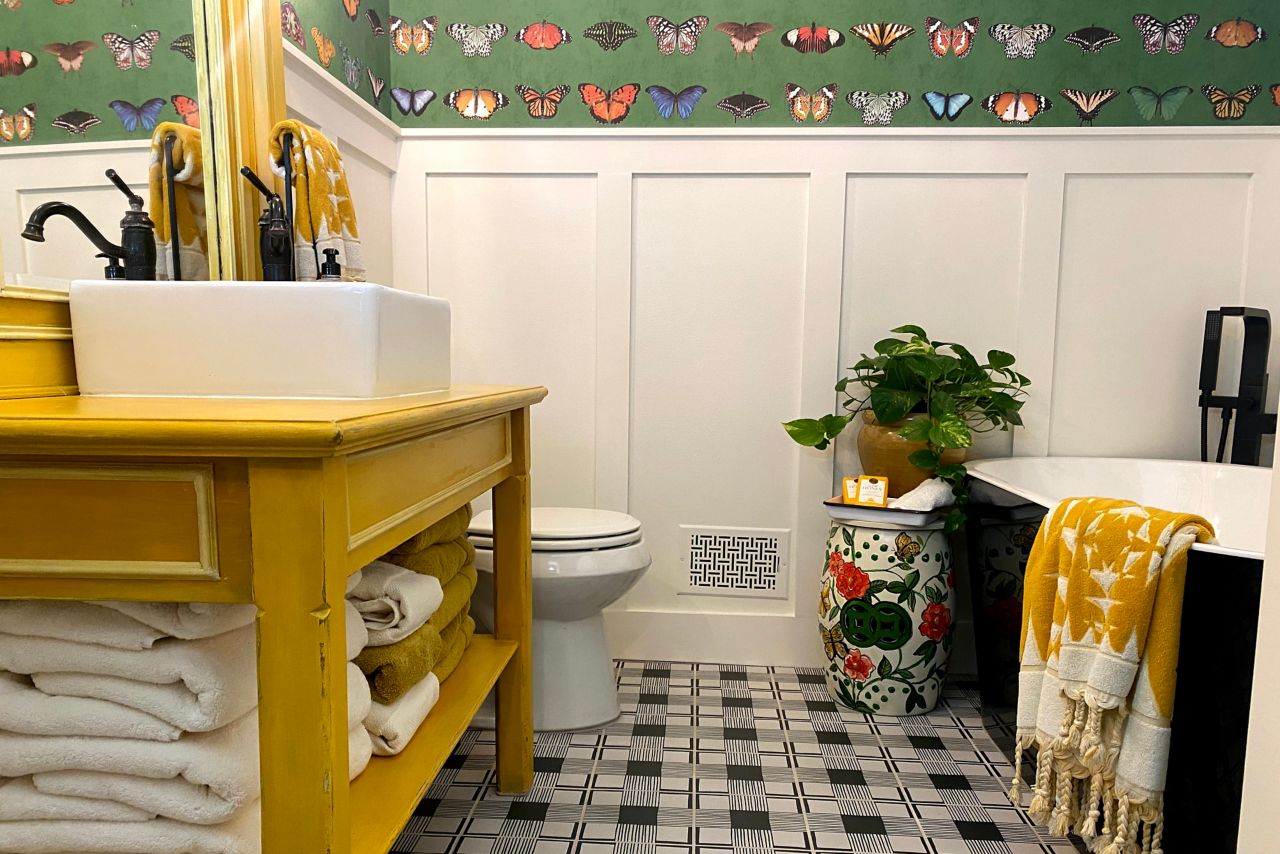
[{"x": 886, "y": 615}]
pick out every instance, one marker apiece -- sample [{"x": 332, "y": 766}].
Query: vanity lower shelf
[{"x": 384, "y": 797}]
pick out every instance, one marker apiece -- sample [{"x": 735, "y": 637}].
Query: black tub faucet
[
  {"x": 137, "y": 249},
  {"x": 1249, "y": 403}
]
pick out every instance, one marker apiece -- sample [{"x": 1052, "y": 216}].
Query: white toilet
[{"x": 583, "y": 561}]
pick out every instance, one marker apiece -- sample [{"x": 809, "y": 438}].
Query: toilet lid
[{"x": 566, "y": 529}]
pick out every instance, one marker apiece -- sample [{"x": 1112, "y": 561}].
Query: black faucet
[
  {"x": 138, "y": 234},
  {"x": 1252, "y": 420}
]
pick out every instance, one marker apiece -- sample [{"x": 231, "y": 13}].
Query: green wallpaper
[
  {"x": 909, "y": 66},
  {"x": 76, "y": 75},
  {"x": 352, "y": 47}
]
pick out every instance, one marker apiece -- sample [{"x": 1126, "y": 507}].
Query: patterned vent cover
[{"x": 738, "y": 562}]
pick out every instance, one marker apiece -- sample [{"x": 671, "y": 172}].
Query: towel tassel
[
  {"x": 1120, "y": 844},
  {"x": 1091, "y": 741},
  {"x": 1108, "y": 813},
  {"x": 1157, "y": 837},
  {"x": 1093, "y": 809},
  {"x": 1077, "y": 724},
  {"x": 1149, "y": 829},
  {"x": 1039, "y": 809},
  {"x": 1015, "y": 790},
  {"x": 1060, "y": 823}
]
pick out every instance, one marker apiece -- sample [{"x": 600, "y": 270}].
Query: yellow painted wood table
[{"x": 277, "y": 503}]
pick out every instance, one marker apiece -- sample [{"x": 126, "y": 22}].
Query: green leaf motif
[
  {"x": 896, "y": 587},
  {"x": 847, "y": 536},
  {"x": 915, "y": 700},
  {"x": 877, "y": 586},
  {"x": 885, "y": 668},
  {"x": 927, "y": 650},
  {"x": 912, "y": 579}
]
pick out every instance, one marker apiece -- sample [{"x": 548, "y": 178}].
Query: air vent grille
[{"x": 737, "y": 562}]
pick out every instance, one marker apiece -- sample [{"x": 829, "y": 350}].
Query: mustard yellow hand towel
[
  {"x": 457, "y": 598},
  {"x": 451, "y": 527},
  {"x": 1102, "y": 612},
  {"x": 441, "y": 561},
  {"x": 393, "y": 670},
  {"x": 188, "y": 201},
  {"x": 457, "y": 639},
  {"x": 323, "y": 213}
]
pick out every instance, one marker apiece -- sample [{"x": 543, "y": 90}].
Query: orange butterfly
[
  {"x": 542, "y": 105},
  {"x": 1016, "y": 107},
  {"x": 609, "y": 108},
  {"x": 543, "y": 36},
  {"x": 352, "y": 8},
  {"x": 1275, "y": 94},
  {"x": 188, "y": 110},
  {"x": 324, "y": 46},
  {"x": 19, "y": 126},
  {"x": 417, "y": 37}
]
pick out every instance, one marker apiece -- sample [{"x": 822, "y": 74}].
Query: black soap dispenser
[{"x": 331, "y": 270}]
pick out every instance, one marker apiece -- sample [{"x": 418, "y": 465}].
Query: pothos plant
[{"x": 958, "y": 395}]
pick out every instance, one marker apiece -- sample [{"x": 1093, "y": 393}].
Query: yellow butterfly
[
  {"x": 476, "y": 103},
  {"x": 833, "y": 643},
  {"x": 406, "y": 36},
  {"x": 19, "y": 126},
  {"x": 905, "y": 547},
  {"x": 324, "y": 46},
  {"x": 1227, "y": 106},
  {"x": 825, "y": 603}
]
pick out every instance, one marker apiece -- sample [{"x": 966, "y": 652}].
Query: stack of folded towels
[{"x": 415, "y": 605}]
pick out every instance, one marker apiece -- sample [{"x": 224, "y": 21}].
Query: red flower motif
[
  {"x": 835, "y": 563},
  {"x": 935, "y": 622},
  {"x": 852, "y": 582},
  {"x": 858, "y": 666},
  {"x": 1006, "y": 615}
]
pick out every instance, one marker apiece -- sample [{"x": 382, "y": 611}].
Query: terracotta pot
[{"x": 883, "y": 452}]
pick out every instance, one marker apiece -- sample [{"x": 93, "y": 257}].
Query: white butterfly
[
  {"x": 476, "y": 40},
  {"x": 131, "y": 52},
  {"x": 671, "y": 35},
  {"x": 878, "y": 108},
  {"x": 1021, "y": 42}
]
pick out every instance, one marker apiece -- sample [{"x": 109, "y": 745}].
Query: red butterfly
[
  {"x": 15, "y": 62},
  {"x": 188, "y": 110},
  {"x": 609, "y": 108},
  {"x": 813, "y": 38},
  {"x": 543, "y": 36}
]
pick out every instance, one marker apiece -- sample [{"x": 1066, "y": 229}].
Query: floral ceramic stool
[{"x": 887, "y": 600}]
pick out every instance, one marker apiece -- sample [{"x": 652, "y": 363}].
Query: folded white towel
[
  {"x": 395, "y": 602},
  {"x": 359, "y": 751},
  {"x": 26, "y": 709},
  {"x": 930, "y": 495},
  {"x": 161, "y": 836},
  {"x": 201, "y": 779},
  {"x": 187, "y": 620},
  {"x": 359, "y": 696},
  {"x": 82, "y": 622},
  {"x": 393, "y": 726},
  {"x": 357, "y": 634},
  {"x": 21, "y": 801},
  {"x": 353, "y": 581},
  {"x": 196, "y": 685}
]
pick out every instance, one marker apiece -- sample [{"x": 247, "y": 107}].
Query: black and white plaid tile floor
[{"x": 722, "y": 758}]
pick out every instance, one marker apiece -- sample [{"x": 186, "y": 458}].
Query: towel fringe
[
  {"x": 1157, "y": 836},
  {"x": 1015, "y": 790},
  {"x": 1120, "y": 843}
]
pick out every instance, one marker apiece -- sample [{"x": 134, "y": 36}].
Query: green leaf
[
  {"x": 955, "y": 520},
  {"x": 896, "y": 587},
  {"x": 927, "y": 650},
  {"x": 833, "y": 613},
  {"x": 877, "y": 586},
  {"x": 808, "y": 432},
  {"x": 916, "y": 430},
  {"x": 914, "y": 699},
  {"x": 892, "y": 405},
  {"x": 941, "y": 404},
  {"x": 847, "y": 536},
  {"x": 889, "y": 346},
  {"x": 834, "y": 425},
  {"x": 885, "y": 668},
  {"x": 952, "y": 471},
  {"x": 926, "y": 460},
  {"x": 930, "y": 367},
  {"x": 934, "y": 595},
  {"x": 999, "y": 359},
  {"x": 912, "y": 579},
  {"x": 910, "y": 329}
]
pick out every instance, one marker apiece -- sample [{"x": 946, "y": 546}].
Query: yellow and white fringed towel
[
  {"x": 323, "y": 214},
  {"x": 1101, "y": 616},
  {"x": 188, "y": 200}
]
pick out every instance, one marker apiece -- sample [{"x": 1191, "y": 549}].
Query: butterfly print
[
  {"x": 744, "y": 37},
  {"x": 375, "y": 23},
  {"x": 883, "y": 36},
  {"x": 1275, "y": 93},
  {"x": 679, "y": 103},
  {"x": 878, "y": 108},
  {"x": 377, "y": 84},
  {"x": 291, "y": 25},
  {"x": 543, "y": 36},
  {"x": 803, "y": 104},
  {"x": 132, "y": 116},
  {"x": 542, "y": 105},
  {"x": 476, "y": 40},
  {"x": 70, "y": 56},
  {"x": 76, "y": 121},
  {"x": 944, "y": 38},
  {"x": 1228, "y": 106},
  {"x": 1158, "y": 36},
  {"x": 813, "y": 38},
  {"x": 20, "y": 126},
  {"x": 1092, "y": 39},
  {"x": 833, "y": 643},
  {"x": 325, "y": 49},
  {"x": 1237, "y": 33},
  {"x": 947, "y": 106},
  {"x": 185, "y": 44},
  {"x": 1088, "y": 104},
  {"x": 1016, "y": 107},
  {"x": 476, "y": 103},
  {"x": 905, "y": 547},
  {"x": 610, "y": 35},
  {"x": 129, "y": 53},
  {"x": 351, "y": 68},
  {"x": 406, "y": 37},
  {"x": 15, "y": 63},
  {"x": 1163, "y": 105},
  {"x": 351, "y": 7},
  {"x": 411, "y": 100},
  {"x": 671, "y": 35},
  {"x": 1021, "y": 42},
  {"x": 609, "y": 108},
  {"x": 743, "y": 106},
  {"x": 188, "y": 110}
]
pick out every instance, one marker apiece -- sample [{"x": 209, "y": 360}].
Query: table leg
[{"x": 513, "y": 620}]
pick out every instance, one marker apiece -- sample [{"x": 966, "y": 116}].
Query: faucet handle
[{"x": 135, "y": 201}]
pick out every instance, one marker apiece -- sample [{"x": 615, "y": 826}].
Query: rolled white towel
[
  {"x": 393, "y": 726},
  {"x": 161, "y": 836},
  {"x": 395, "y": 602},
  {"x": 353, "y": 581},
  {"x": 357, "y": 634},
  {"x": 187, "y": 620},
  {"x": 82, "y": 622},
  {"x": 930, "y": 495},
  {"x": 21, "y": 801},
  {"x": 359, "y": 751},
  {"x": 201, "y": 779},
  {"x": 26, "y": 709},
  {"x": 359, "y": 697},
  {"x": 197, "y": 686}
]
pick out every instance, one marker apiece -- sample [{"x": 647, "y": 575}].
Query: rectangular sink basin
[{"x": 257, "y": 339}]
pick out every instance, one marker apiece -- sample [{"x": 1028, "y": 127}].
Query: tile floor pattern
[{"x": 720, "y": 758}]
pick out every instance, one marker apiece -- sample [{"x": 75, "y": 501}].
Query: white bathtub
[{"x": 1234, "y": 498}]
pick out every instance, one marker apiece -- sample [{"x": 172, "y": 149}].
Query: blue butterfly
[
  {"x": 682, "y": 102},
  {"x": 146, "y": 115},
  {"x": 948, "y": 106}
]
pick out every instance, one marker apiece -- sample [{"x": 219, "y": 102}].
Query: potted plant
[{"x": 921, "y": 401}]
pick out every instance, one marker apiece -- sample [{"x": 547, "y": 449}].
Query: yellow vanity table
[{"x": 277, "y": 503}]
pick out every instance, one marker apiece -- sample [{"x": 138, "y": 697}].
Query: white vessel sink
[{"x": 257, "y": 339}]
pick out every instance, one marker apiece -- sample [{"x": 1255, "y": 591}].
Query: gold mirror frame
[{"x": 240, "y": 85}]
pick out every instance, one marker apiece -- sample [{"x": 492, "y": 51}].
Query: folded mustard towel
[
  {"x": 457, "y": 599},
  {"x": 393, "y": 670},
  {"x": 188, "y": 201},
  {"x": 451, "y": 527},
  {"x": 457, "y": 639},
  {"x": 441, "y": 561},
  {"x": 1102, "y": 612},
  {"x": 323, "y": 213}
]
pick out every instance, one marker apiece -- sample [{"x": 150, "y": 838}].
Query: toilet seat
[{"x": 566, "y": 529}]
